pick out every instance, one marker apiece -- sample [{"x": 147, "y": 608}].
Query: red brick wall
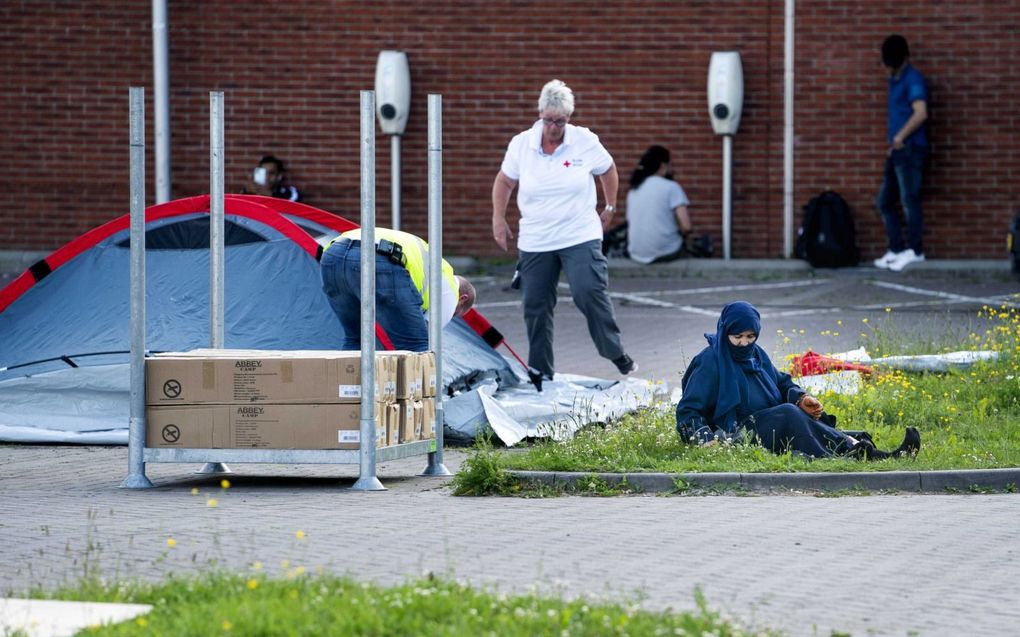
[{"x": 292, "y": 76}]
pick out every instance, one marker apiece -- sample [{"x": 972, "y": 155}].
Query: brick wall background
[{"x": 291, "y": 74}]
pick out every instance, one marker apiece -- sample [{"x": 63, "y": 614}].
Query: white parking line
[{"x": 959, "y": 298}]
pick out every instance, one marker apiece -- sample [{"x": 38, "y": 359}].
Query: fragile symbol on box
[
  {"x": 171, "y": 433},
  {"x": 172, "y": 388}
]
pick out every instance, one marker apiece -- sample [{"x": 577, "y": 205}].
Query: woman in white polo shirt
[{"x": 553, "y": 165}]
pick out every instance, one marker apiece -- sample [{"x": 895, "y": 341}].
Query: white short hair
[{"x": 556, "y": 96}]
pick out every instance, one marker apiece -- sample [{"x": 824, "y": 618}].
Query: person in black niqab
[{"x": 731, "y": 390}]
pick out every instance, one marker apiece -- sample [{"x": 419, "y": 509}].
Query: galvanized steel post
[
  {"x": 216, "y": 257},
  {"x": 435, "y": 464},
  {"x": 161, "y": 99},
  {"x": 136, "y": 425},
  {"x": 367, "y": 480},
  {"x": 216, "y": 219},
  {"x": 395, "y": 184}
]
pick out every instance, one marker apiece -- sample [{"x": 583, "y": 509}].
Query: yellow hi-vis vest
[{"x": 416, "y": 253}]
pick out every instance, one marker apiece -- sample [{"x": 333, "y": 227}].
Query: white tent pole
[
  {"x": 788, "y": 132},
  {"x": 435, "y": 463},
  {"x": 136, "y": 425},
  {"x": 161, "y": 98}
]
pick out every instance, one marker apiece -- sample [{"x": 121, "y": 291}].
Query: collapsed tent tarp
[{"x": 64, "y": 323}]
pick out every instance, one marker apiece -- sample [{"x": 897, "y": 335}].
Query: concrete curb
[{"x": 909, "y": 481}]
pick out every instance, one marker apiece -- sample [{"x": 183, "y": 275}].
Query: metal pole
[
  {"x": 395, "y": 183},
  {"x": 788, "y": 132},
  {"x": 727, "y": 190},
  {"x": 435, "y": 464},
  {"x": 161, "y": 99},
  {"x": 367, "y": 480},
  {"x": 216, "y": 260},
  {"x": 136, "y": 425},
  {"x": 216, "y": 219}
]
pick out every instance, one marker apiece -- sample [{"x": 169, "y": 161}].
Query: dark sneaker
[{"x": 625, "y": 364}]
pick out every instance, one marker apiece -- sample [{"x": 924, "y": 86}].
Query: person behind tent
[
  {"x": 732, "y": 392},
  {"x": 270, "y": 179},
  {"x": 657, "y": 217},
  {"x": 553, "y": 166},
  {"x": 402, "y": 288}
]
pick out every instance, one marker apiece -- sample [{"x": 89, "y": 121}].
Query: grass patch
[
  {"x": 223, "y": 604},
  {"x": 968, "y": 419}
]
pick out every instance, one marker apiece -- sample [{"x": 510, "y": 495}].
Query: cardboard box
[
  {"x": 392, "y": 424},
  {"x": 409, "y": 373},
  {"x": 410, "y": 420},
  {"x": 428, "y": 369},
  {"x": 262, "y": 376},
  {"x": 428, "y": 426},
  {"x": 259, "y": 426}
]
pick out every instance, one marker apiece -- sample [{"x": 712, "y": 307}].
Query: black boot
[{"x": 911, "y": 444}]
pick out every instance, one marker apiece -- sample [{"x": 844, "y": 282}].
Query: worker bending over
[{"x": 402, "y": 288}]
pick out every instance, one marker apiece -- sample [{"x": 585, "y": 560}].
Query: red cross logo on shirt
[{"x": 567, "y": 163}]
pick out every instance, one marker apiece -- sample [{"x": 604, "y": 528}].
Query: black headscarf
[{"x": 734, "y": 362}]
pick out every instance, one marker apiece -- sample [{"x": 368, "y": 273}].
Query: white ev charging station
[
  {"x": 725, "y": 102},
  {"x": 393, "y": 103}
]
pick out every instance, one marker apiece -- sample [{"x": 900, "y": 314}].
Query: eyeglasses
[{"x": 558, "y": 123}]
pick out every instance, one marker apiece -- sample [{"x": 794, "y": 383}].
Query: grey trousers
[{"x": 588, "y": 276}]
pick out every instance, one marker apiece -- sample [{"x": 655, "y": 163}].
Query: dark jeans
[
  {"x": 901, "y": 182},
  {"x": 397, "y": 302}
]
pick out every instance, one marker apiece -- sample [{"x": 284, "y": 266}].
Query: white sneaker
[
  {"x": 905, "y": 258},
  {"x": 887, "y": 258}
]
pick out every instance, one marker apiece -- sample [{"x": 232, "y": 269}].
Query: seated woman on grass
[{"x": 731, "y": 391}]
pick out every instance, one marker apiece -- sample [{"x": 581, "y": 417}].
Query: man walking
[
  {"x": 906, "y": 156},
  {"x": 402, "y": 287}
]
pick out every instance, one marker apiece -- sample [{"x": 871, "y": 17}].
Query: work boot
[
  {"x": 625, "y": 364},
  {"x": 911, "y": 444}
]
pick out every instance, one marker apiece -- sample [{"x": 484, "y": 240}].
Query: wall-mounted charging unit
[
  {"x": 725, "y": 104},
  {"x": 393, "y": 103}
]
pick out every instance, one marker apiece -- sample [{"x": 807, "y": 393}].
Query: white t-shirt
[
  {"x": 556, "y": 193},
  {"x": 652, "y": 229}
]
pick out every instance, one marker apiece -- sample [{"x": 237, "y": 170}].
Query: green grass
[
  {"x": 232, "y": 605},
  {"x": 968, "y": 419}
]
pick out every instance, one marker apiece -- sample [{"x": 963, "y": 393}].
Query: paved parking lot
[{"x": 884, "y": 565}]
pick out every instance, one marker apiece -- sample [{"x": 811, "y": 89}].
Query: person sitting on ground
[
  {"x": 270, "y": 179},
  {"x": 731, "y": 391},
  {"x": 657, "y": 217},
  {"x": 401, "y": 288}
]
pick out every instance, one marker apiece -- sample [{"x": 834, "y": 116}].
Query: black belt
[{"x": 385, "y": 247}]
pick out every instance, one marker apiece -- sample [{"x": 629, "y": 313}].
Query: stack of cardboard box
[{"x": 262, "y": 399}]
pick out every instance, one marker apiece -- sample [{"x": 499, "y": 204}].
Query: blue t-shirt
[{"x": 904, "y": 91}]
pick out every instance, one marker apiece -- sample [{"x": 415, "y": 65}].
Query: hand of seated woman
[{"x": 811, "y": 406}]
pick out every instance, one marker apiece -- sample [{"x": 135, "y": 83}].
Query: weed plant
[
  {"x": 968, "y": 419},
  {"x": 224, "y": 604}
]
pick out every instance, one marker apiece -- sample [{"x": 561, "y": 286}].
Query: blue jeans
[
  {"x": 901, "y": 182},
  {"x": 397, "y": 302}
]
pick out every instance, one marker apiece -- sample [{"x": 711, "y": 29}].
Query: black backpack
[{"x": 827, "y": 238}]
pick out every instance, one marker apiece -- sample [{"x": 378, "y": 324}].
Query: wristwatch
[{"x": 609, "y": 209}]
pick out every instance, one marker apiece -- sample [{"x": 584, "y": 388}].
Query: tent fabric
[{"x": 65, "y": 322}]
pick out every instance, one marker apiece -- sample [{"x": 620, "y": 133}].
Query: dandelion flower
[
  {"x": 299, "y": 535},
  {"x": 142, "y": 622},
  {"x": 253, "y": 584},
  {"x": 257, "y": 566},
  {"x": 227, "y": 625},
  {"x": 171, "y": 542},
  {"x": 194, "y": 491},
  {"x": 224, "y": 484},
  {"x": 212, "y": 502}
]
